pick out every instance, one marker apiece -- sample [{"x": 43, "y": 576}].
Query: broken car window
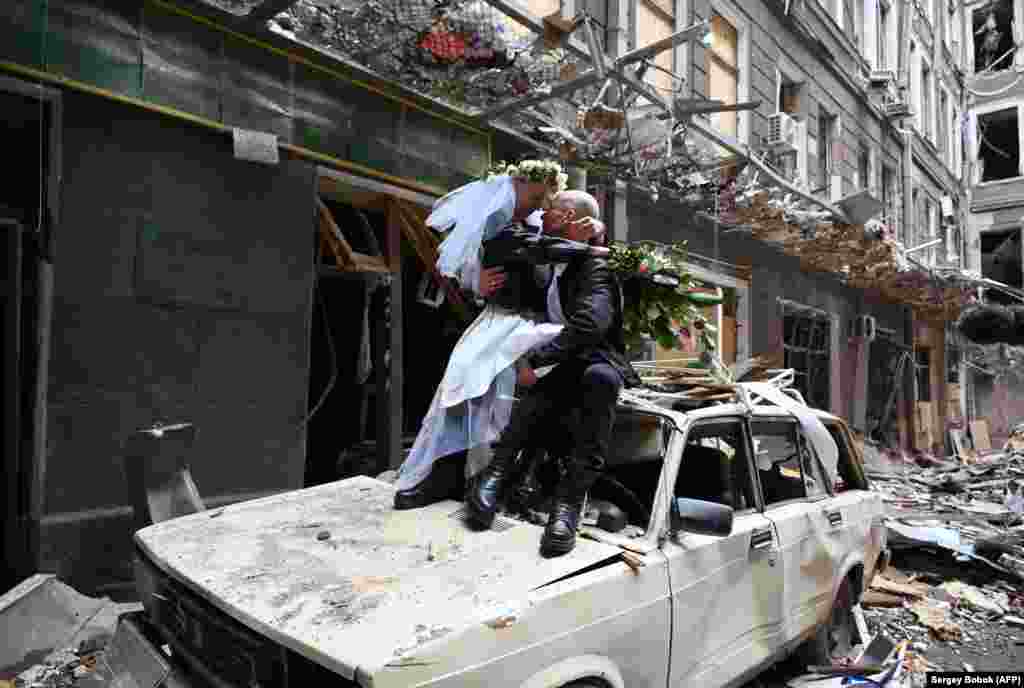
[
  {"x": 715, "y": 465},
  {"x": 785, "y": 464}
]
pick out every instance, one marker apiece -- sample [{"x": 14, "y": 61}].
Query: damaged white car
[{"x": 718, "y": 543}]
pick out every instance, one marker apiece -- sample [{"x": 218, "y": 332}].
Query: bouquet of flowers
[{"x": 660, "y": 301}]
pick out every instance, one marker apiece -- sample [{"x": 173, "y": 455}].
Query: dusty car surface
[{"x": 331, "y": 586}]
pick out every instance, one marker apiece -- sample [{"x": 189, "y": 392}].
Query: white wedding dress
[{"x": 474, "y": 401}]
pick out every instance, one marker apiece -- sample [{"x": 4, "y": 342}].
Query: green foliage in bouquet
[{"x": 663, "y": 312}]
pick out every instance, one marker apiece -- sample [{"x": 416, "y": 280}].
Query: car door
[
  {"x": 796, "y": 501},
  {"x": 726, "y": 591}
]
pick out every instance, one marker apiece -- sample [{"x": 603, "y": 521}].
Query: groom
[{"x": 590, "y": 369}]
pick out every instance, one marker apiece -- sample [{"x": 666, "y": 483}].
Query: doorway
[
  {"x": 27, "y": 218},
  {"x": 383, "y": 327}
]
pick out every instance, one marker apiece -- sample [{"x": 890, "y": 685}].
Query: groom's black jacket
[{"x": 591, "y": 299}]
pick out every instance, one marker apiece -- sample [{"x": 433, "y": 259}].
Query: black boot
[
  {"x": 445, "y": 481},
  {"x": 564, "y": 520},
  {"x": 488, "y": 488}
]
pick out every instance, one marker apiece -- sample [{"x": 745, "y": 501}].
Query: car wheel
[
  {"x": 586, "y": 683},
  {"x": 834, "y": 639}
]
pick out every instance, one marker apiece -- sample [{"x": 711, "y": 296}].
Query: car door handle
[
  {"x": 761, "y": 539},
  {"x": 835, "y": 518}
]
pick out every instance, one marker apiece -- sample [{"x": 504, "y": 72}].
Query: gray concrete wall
[{"x": 183, "y": 283}]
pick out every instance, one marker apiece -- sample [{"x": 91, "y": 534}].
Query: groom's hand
[
  {"x": 584, "y": 229},
  {"x": 491, "y": 280}
]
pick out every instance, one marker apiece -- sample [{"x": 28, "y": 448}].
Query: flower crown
[{"x": 536, "y": 171}]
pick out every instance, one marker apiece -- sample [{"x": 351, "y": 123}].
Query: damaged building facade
[
  {"x": 995, "y": 97},
  {"x": 853, "y": 97},
  {"x": 227, "y": 226}
]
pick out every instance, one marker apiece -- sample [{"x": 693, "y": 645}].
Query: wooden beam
[
  {"x": 332, "y": 235},
  {"x": 425, "y": 245},
  {"x": 346, "y": 258}
]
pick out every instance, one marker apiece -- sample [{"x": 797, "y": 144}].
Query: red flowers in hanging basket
[{"x": 445, "y": 46}]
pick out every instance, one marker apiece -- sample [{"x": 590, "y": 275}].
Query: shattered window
[
  {"x": 992, "y": 25},
  {"x": 999, "y": 145},
  {"x": 1001, "y": 260},
  {"x": 785, "y": 462},
  {"x": 716, "y": 466}
]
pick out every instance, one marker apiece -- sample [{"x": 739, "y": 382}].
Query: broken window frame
[
  {"x": 805, "y": 454},
  {"x": 1012, "y": 32},
  {"x": 651, "y": 14},
  {"x": 977, "y": 116},
  {"x": 730, "y": 12},
  {"x": 745, "y": 447},
  {"x": 812, "y": 342}
]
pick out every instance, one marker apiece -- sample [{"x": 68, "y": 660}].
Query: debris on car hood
[{"x": 381, "y": 584}]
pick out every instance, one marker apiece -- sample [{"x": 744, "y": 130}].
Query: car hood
[{"x": 334, "y": 573}]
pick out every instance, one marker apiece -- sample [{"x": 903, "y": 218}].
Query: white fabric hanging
[{"x": 815, "y": 431}]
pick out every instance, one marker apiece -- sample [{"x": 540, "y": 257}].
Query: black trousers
[{"x": 542, "y": 418}]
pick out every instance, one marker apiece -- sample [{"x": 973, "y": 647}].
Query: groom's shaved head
[{"x": 583, "y": 203}]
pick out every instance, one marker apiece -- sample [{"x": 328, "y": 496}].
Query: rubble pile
[
  {"x": 956, "y": 531},
  {"x": 61, "y": 669}
]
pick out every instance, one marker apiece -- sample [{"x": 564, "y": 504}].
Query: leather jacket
[{"x": 592, "y": 304}]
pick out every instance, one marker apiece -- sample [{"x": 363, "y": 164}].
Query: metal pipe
[
  {"x": 596, "y": 55},
  {"x": 925, "y": 245},
  {"x": 667, "y": 43}
]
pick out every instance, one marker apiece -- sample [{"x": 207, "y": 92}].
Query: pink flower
[{"x": 643, "y": 267}]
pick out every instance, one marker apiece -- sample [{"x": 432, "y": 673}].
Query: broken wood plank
[
  {"x": 332, "y": 235},
  {"x": 874, "y": 598}
]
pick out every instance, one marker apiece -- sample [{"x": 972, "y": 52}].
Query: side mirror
[{"x": 700, "y": 517}]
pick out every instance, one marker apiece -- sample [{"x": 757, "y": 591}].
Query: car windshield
[{"x": 636, "y": 455}]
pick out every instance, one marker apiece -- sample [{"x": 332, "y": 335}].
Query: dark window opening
[
  {"x": 923, "y": 367},
  {"x": 789, "y": 96},
  {"x": 864, "y": 168},
  {"x": 1001, "y": 261},
  {"x": 993, "y": 36},
  {"x": 806, "y": 343},
  {"x": 891, "y": 217},
  {"x": 999, "y": 149},
  {"x": 826, "y": 127}
]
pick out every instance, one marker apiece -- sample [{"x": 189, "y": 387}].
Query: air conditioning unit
[
  {"x": 865, "y": 326},
  {"x": 782, "y": 132},
  {"x": 881, "y": 78}
]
